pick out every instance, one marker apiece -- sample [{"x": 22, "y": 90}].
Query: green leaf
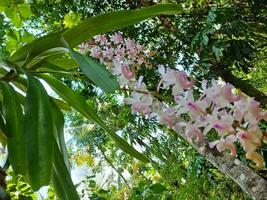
[
  {"x": 96, "y": 25},
  {"x": 13, "y": 16},
  {"x": 29, "y": 51},
  {"x": 4, "y": 3},
  {"x": 157, "y": 188},
  {"x": 115, "y": 20},
  {"x": 96, "y": 72},
  {"x": 27, "y": 37},
  {"x": 2, "y": 121},
  {"x": 24, "y": 10},
  {"x": 13, "y": 114},
  {"x": 218, "y": 52},
  {"x": 38, "y": 134},
  {"x": 61, "y": 104},
  {"x": 44, "y": 55},
  {"x": 79, "y": 104},
  {"x": 61, "y": 179},
  {"x": 59, "y": 132},
  {"x": 205, "y": 39},
  {"x": 64, "y": 63},
  {"x": 3, "y": 138}
]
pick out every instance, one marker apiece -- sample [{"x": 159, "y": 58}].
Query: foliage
[
  {"x": 18, "y": 188},
  {"x": 210, "y": 39}
]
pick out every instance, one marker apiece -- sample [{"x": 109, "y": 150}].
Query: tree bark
[{"x": 249, "y": 181}]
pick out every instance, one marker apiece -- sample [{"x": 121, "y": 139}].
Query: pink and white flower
[
  {"x": 225, "y": 144},
  {"x": 124, "y": 73},
  {"x": 140, "y": 102}
]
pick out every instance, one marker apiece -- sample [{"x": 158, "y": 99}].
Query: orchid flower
[
  {"x": 251, "y": 139},
  {"x": 225, "y": 144},
  {"x": 96, "y": 52},
  {"x": 193, "y": 133},
  {"x": 168, "y": 76},
  {"x": 182, "y": 80},
  {"x": 167, "y": 116},
  {"x": 222, "y": 122},
  {"x": 140, "y": 102},
  {"x": 256, "y": 158},
  {"x": 233, "y": 115},
  {"x": 101, "y": 39},
  {"x": 124, "y": 73},
  {"x": 227, "y": 93},
  {"x": 116, "y": 38}
]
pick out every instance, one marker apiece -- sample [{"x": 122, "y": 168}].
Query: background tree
[{"x": 205, "y": 51}]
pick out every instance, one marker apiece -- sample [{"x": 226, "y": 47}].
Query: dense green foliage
[{"x": 210, "y": 39}]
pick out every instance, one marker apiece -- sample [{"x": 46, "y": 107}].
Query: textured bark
[{"x": 249, "y": 181}]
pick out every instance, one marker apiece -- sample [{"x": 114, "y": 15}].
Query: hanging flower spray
[{"x": 233, "y": 115}]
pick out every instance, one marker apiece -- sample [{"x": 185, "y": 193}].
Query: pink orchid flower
[
  {"x": 182, "y": 80},
  {"x": 222, "y": 122},
  {"x": 168, "y": 76},
  {"x": 225, "y": 144},
  {"x": 193, "y": 133},
  {"x": 167, "y": 117},
  {"x": 140, "y": 102},
  {"x": 108, "y": 53},
  {"x": 124, "y": 73},
  {"x": 251, "y": 139},
  {"x": 227, "y": 93},
  {"x": 116, "y": 38},
  {"x": 101, "y": 39},
  {"x": 96, "y": 52}
]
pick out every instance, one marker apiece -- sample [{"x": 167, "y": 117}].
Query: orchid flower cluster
[
  {"x": 117, "y": 48},
  {"x": 234, "y": 116}
]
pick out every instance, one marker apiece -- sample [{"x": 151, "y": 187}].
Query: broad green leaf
[
  {"x": 13, "y": 16},
  {"x": 24, "y": 10},
  {"x": 157, "y": 188},
  {"x": 4, "y": 3},
  {"x": 21, "y": 84},
  {"x": 11, "y": 45},
  {"x": 13, "y": 115},
  {"x": 61, "y": 179},
  {"x": 59, "y": 132},
  {"x": 38, "y": 130},
  {"x": 27, "y": 37},
  {"x": 96, "y": 25},
  {"x": 96, "y": 72},
  {"x": 14, "y": 34},
  {"x": 79, "y": 104}
]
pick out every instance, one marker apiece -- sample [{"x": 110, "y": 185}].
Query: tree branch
[{"x": 249, "y": 181}]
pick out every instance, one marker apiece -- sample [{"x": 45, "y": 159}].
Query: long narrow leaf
[
  {"x": 115, "y": 20},
  {"x": 38, "y": 134},
  {"x": 13, "y": 115},
  {"x": 61, "y": 179},
  {"x": 79, "y": 104},
  {"x": 59, "y": 132},
  {"x": 96, "y": 72}
]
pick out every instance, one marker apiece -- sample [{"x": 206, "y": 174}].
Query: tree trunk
[{"x": 249, "y": 181}]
